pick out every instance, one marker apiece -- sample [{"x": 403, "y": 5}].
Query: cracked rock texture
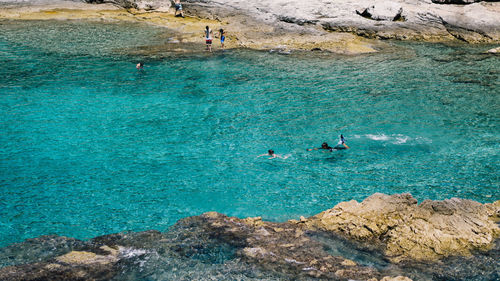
[
  {"x": 258, "y": 23},
  {"x": 395, "y": 19},
  {"x": 427, "y": 231}
]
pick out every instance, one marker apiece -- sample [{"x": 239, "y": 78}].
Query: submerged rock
[
  {"x": 494, "y": 51},
  {"x": 283, "y": 247}
]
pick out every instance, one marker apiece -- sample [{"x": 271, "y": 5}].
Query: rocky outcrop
[
  {"x": 389, "y": 19},
  {"x": 429, "y": 231},
  {"x": 75, "y": 265},
  {"x": 97, "y": 259},
  {"x": 300, "y": 25},
  {"x": 385, "y": 11},
  {"x": 352, "y": 241},
  {"x": 458, "y": 2}
]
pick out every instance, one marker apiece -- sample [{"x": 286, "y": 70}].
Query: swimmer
[
  {"x": 140, "y": 66},
  {"x": 341, "y": 142},
  {"x": 271, "y": 153},
  {"x": 323, "y": 146}
]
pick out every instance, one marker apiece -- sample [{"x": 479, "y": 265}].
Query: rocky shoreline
[
  {"x": 385, "y": 237},
  {"x": 335, "y": 26}
]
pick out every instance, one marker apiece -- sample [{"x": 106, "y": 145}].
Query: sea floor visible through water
[{"x": 89, "y": 145}]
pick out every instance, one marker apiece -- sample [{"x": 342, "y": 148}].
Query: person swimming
[
  {"x": 323, "y": 146},
  {"x": 341, "y": 144},
  {"x": 140, "y": 66},
  {"x": 271, "y": 153}
]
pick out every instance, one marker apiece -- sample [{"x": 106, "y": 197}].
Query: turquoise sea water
[{"x": 90, "y": 146}]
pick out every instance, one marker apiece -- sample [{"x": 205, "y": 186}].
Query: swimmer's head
[
  {"x": 141, "y": 64},
  {"x": 206, "y": 27},
  {"x": 270, "y": 151},
  {"x": 324, "y": 145}
]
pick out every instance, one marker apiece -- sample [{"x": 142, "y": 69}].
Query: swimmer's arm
[
  {"x": 262, "y": 155},
  {"x": 345, "y": 145},
  {"x": 310, "y": 149}
]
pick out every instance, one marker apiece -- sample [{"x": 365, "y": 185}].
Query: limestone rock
[
  {"x": 383, "y": 11},
  {"x": 455, "y": 1},
  {"x": 96, "y": 259},
  {"x": 388, "y": 19},
  {"x": 89, "y": 258},
  {"x": 158, "y": 5},
  {"x": 429, "y": 231},
  {"x": 293, "y": 23},
  {"x": 397, "y": 278},
  {"x": 494, "y": 51},
  {"x": 311, "y": 248}
]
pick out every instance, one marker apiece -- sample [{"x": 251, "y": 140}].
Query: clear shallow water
[{"x": 89, "y": 145}]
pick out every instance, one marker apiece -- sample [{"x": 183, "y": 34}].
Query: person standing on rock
[
  {"x": 208, "y": 38},
  {"x": 178, "y": 8},
  {"x": 222, "y": 37}
]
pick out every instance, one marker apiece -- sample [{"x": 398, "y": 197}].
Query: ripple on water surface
[{"x": 89, "y": 145}]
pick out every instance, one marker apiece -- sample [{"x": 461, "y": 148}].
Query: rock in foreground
[
  {"x": 429, "y": 231},
  {"x": 410, "y": 235}
]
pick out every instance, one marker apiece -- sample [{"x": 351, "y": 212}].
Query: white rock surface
[
  {"x": 420, "y": 19},
  {"x": 478, "y": 22}
]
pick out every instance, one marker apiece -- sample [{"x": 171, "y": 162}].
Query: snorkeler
[
  {"x": 323, "y": 146},
  {"x": 341, "y": 144},
  {"x": 271, "y": 153},
  {"x": 140, "y": 66}
]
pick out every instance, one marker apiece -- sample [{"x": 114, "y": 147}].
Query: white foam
[
  {"x": 397, "y": 138},
  {"x": 131, "y": 252},
  {"x": 400, "y": 139},
  {"x": 379, "y": 137}
]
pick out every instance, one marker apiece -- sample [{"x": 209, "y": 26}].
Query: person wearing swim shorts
[
  {"x": 341, "y": 144},
  {"x": 178, "y": 8},
  {"x": 208, "y": 38},
  {"x": 222, "y": 37}
]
